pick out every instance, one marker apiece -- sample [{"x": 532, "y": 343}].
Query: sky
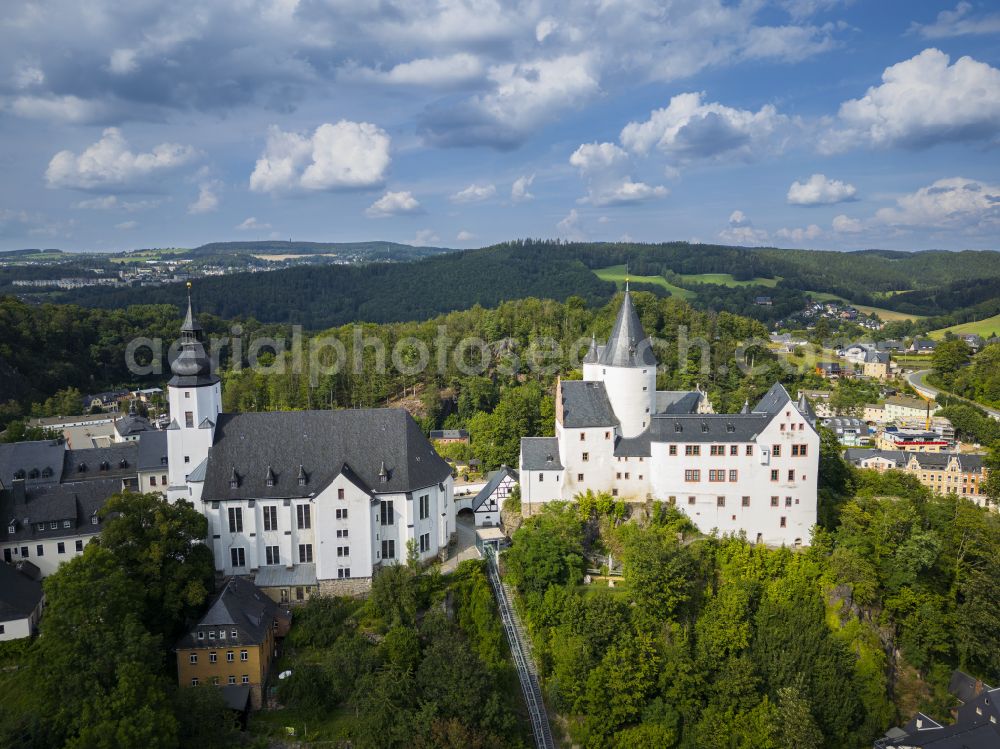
[{"x": 824, "y": 124}]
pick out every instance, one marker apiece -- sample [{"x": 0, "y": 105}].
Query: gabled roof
[
  {"x": 628, "y": 345},
  {"x": 19, "y": 594},
  {"x": 540, "y": 454},
  {"x": 77, "y": 501},
  {"x": 495, "y": 479},
  {"x": 120, "y": 459},
  {"x": 585, "y": 404},
  {"x": 30, "y": 457},
  {"x": 241, "y": 606},
  {"x": 321, "y": 443},
  {"x": 677, "y": 401},
  {"x": 708, "y": 427},
  {"x": 152, "y": 450},
  {"x": 132, "y": 424},
  {"x": 773, "y": 401},
  {"x": 857, "y": 454}
]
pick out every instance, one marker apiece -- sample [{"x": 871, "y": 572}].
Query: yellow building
[
  {"x": 944, "y": 473},
  {"x": 234, "y": 644}
]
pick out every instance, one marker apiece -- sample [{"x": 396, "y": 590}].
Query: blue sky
[{"x": 796, "y": 123}]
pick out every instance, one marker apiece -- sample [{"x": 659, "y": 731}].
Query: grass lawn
[
  {"x": 726, "y": 279},
  {"x": 887, "y": 315},
  {"x": 984, "y": 328},
  {"x": 336, "y": 725},
  {"x": 616, "y": 273}
]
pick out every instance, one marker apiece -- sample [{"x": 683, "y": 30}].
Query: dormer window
[
  {"x": 302, "y": 476},
  {"x": 234, "y": 479},
  {"x": 123, "y": 463},
  {"x": 33, "y": 474},
  {"x": 269, "y": 479},
  {"x": 104, "y": 465},
  {"x": 12, "y": 527},
  {"x": 19, "y": 473},
  {"x": 93, "y": 520}
]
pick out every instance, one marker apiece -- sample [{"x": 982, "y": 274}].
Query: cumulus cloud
[
  {"x": 953, "y": 202},
  {"x": 252, "y": 224},
  {"x": 818, "y": 190},
  {"x": 569, "y": 227},
  {"x": 104, "y": 203},
  {"x": 741, "y": 231},
  {"x": 208, "y": 198},
  {"x": 846, "y": 225},
  {"x": 109, "y": 163},
  {"x": 342, "y": 156},
  {"x": 127, "y": 225},
  {"x": 689, "y": 128},
  {"x": 519, "y": 191},
  {"x": 522, "y": 97},
  {"x": 394, "y": 204},
  {"x": 59, "y": 108},
  {"x": 474, "y": 193},
  {"x": 800, "y": 235},
  {"x": 959, "y": 22},
  {"x": 425, "y": 237},
  {"x": 922, "y": 101},
  {"x": 605, "y": 168},
  {"x": 465, "y": 236},
  {"x": 452, "y": 70}
]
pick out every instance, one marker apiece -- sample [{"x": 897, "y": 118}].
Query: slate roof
[
  {"x": 192, "y": 367},
  {"x": 118, "y": 459},
  {"x": 77, "y": 501},
  {"x": 236, "y": 696},
  {"x": 540, "y": 454},
  {"x": 29, "y": 457},
  {"x": 872, "y": 356},
  {"x": 628, "y": 345},
  {"x": 132, "y": 424},
  {"x": 240, "y": 606},
  {"x": 966, "y": 688},
  {"x": 585, "y": 404},
  {"x": 708, "y": 427},
  {"x": 321, "y": 443},
  {"x": 976, "y": 727},
  {"x": 773, "y": 401},
  {"x": 198, "y": 474},
  {"x": 633, "y": 447},
  {"x": 969, "y": 462},
  {"x": 593, "y": 354},
  {"x": 449, "y": 434},
  {"x": 495, "y": 479},
  {"x": 19, "y": 594},
  {"x": 856, "y": 454},
  {"x": 677, "y": 401},
  {"x": 279, "y": 576},
  {"x": 152, "y": 450}
]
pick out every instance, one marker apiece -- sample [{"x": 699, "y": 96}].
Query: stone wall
[{"x": 352, "y": 587}]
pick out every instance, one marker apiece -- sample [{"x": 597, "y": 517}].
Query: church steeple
[
  {"x": 192, "y": 367},
  {"x": 591, "y": 357},
  {"x": 628, "y": 345}
]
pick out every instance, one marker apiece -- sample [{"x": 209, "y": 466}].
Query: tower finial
[{"x": 626, "y": 278}]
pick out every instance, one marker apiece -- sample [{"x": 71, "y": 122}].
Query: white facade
[
  {"x": 194, "y": 411},
  {"x": 15, "y": 629},
  {"x": 755, "y": 472},
  {"x": 46, "y": 554}
]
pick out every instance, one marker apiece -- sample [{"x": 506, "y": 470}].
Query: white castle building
[
  {"x": 303, "y": 501},
  {"x": 755, "y": 471}
]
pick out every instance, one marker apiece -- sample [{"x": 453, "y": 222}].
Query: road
[{"x": 916, "y": 380}]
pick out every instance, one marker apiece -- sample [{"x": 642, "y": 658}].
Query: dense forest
[
  {"x": 714, "y": 642},
  {"x": 934, "y": 283}
]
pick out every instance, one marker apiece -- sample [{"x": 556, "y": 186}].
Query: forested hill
[
  {"x": 319, "y": 297},
  {"x": 925, "y": 283}
]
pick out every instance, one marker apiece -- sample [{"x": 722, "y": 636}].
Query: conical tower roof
[
  {"x": 192, "y": 367},
  {"x": 591, "y": 356},
  {"x": 628, "y": 345}
]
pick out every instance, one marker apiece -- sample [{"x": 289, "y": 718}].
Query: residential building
[
  {"x": 976, "y": 721},
  {"x": 488, "y": 502},
  {"x": 129, "y": 427},
  {"x": 908, "y": 407},
  {"x": 106, "y": 401},
  {"x": 908, "y": 440},
  {"x": 820, "y": 402},
  {"x": 850, "y": 431},
  {"x": 831, "y": 370},
  {"x": 153, "y": 462},
  {"x": 234, "y": 644},
  {"x": 86, "y": 430},
  {"x": 21, "y": 600},
  {"x": 922, "y": 346},
  {"x": 310, "y": 500},
  {"x": 753, "y": 472},
  {"x": 946, "y": 473},
  {"x": 874, "y": 413}
]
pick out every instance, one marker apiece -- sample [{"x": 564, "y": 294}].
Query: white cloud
[
  {"x": 252, "y": 224},
  {"x": 208, "y": 198},
  {"x": 569, "y": 227},
  {"x": 465, "y": 236},
  {"x": 104, "y": 203},
  {"x": 66, "y": 108},
  {"x": 544, "y": 28},
  {"x": 425, "y": 237},
  {"x": 818, "y": 190},
  {"x": 109, "y": 163},
  {"x": 846, "y": 225},
  {"x": 28, "y": 76},
  {"x": 741, "y": 231},
  {"x": 922, "y": 101},
  {"x": 519, "y": 191},
  {"x": 950, "y": 203},
  {"x": 690, "y": 129},
  {"x": 474, "y": 193},
  {"x": 447, "y": 71},
  {"x": 394, "y": 204},
  {"x": 345, "y": 155},
  {"x": 123, "y": 61},
  {"x": 799, "y": 234},
  {"x": 959, "y": 22},
  {"x": 605, "y": 168},
  {"x": 524, "y": 96},
  {"x": 127, "y": 225}
]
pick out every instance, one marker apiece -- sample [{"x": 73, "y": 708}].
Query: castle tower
[
  {"x": 627, "y": 366},
  {"x": 195, "y": 398}
]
